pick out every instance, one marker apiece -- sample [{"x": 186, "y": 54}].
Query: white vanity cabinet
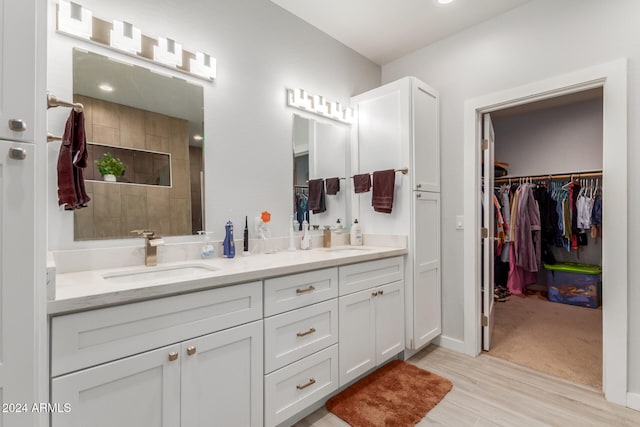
[
  {"x": 371, "y": 320},
  {"x": 301, "y": 342},
  {"x": 185, "y": 377}
]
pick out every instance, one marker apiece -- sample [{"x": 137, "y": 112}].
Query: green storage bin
[{"x": 574, "y": 283}]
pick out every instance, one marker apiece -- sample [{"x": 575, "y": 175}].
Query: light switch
[{"x": 459, "y": 222}]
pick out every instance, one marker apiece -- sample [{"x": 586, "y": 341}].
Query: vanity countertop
[{"x": 87, "y": 290}]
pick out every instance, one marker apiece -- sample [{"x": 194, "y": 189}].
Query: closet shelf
[{"x": 575, "y": 175}]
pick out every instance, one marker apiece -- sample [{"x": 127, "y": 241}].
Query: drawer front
[
  {"x": 296, "y": 334},
  {"x": 92, "y": 337},
  {"x": 299, "y": 385},
  {"x": 297, "y": 290},
  {"x": 365, "y": 275}
]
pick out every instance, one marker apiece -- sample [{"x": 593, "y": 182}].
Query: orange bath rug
[{"x": 398, "y": 394}]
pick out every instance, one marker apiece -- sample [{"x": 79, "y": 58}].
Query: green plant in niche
[{"x": 110, "y": 165}]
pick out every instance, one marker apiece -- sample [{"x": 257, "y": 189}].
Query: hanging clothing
[
  {"x": 528, "y": 255},
  {"x": 72, "y": 159}
]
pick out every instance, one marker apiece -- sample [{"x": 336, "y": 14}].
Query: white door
[
  {"x": 427, "y": 311},
  {"x": 17, "y": 277},
  {"x": 141, "y": 390},
  {"x": 489, "y": 232},
  {"x": 222, "y": 377},
  {"x": 17, "y": 70},
  {"x": 389, "y": 304},
  {"x": 357, "y": 334}
]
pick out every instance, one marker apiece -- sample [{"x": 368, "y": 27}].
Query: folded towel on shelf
[
  {"x": 316, "y": 196},
  {"x": 362, "y": 183},
  {"x": 333, "y": 186},
  {"x": 383, "y": 189}
]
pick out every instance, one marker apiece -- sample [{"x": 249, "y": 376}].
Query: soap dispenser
[
  {"x": 306, "y": 236},
  {"x": 207, "y": 250},
  {"x": 229, "y": 246},
  {"x": 356, "y": 234}
]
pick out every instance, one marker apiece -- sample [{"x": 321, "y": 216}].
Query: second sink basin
[{"x": 154, "y": 273}]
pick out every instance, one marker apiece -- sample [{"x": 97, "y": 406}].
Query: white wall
[
  {"x": 557, "y": 140},
  {"x": 539, "y": 40},
  {"x": 260, "y": 50}
]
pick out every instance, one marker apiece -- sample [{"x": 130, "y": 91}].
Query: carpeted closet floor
[{"x": 558, "y": 339}]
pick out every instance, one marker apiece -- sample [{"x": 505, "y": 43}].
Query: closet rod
[{"x": 590, "y": 174}]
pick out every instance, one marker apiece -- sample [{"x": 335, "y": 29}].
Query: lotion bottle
[
  {"x": 356, "y": 234},
  {"x": 306, "y": 236}
]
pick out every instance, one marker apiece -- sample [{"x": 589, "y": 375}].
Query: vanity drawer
[
  {"x": 299, "y": 385},
  {"x": 92, "y": 337},
  {"x": 365, "y": 275},
  {"x": 297, "y": 290},
  {"x": 296, "y": 334}
]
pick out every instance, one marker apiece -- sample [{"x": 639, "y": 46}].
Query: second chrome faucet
[{"x": 151, "y": 246}]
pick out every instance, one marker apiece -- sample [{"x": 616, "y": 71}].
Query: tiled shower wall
[{"x": 118, "y": 208}]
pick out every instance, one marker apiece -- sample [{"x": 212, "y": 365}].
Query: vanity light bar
[
  {"x": 299, "y": 98},
  {"x": 77, "y": 21}
]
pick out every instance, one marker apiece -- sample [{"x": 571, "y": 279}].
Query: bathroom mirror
[
  {"x": 320, "y": 150},
  {"x": 156, "y": 122}
]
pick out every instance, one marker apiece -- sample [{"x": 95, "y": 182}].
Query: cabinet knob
[
  {"x": 374, "y": 294},
  {"x": 380, "y": 292},
  {"x": 173, "y": 356},
  {"x": 17, "y": 125},
  {"x": 418, "y": 185},
  {"x": 191, "y": 350},
  {"x": 419, "y": 196},
  {"x": 17, "y": 153}
]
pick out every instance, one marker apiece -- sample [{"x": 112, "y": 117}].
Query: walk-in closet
[{"x": 547, "y": 236}]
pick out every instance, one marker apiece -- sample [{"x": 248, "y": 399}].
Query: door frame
[{"x": 612, "y": 77}]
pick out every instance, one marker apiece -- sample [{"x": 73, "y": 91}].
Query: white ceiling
[{"x": 385, "y": 30}]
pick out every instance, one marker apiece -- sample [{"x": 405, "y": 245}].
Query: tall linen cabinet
[{"x": 397, "y": 127}]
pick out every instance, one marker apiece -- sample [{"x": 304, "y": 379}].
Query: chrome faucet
[{"x": 151, "y": 246}]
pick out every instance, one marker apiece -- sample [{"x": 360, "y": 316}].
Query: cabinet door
[
  {"x": 142, "y": 390},
  {"x": 426, "y": 138},
  {"x": 389, "y": 304},
  {"x": 357, "y": 334},
  {"x": 222, "y": 376},
  {"x": 17, "y": 67},
  {"x": 426, "y": 304}
]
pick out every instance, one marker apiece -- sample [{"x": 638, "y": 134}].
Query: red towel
[
  {"x": 316, "y": 196},
  {"x": 71, "y": 160},
  {"x": 362, "y": 183},
  {"x": 333, "y": 186},
  {"x": 383, "y": 189}
]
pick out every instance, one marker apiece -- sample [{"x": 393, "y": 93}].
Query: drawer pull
[
  {"x": 302, "y": 387},
  {"x": 310, "y": 331},
  {"x": 191, "y": 350},
  {"x": 373, "y": 294},
  {"x": 380, "y": 292},
  {"x": 304, "y": 291},
  {"x": 173, "y": 356}
]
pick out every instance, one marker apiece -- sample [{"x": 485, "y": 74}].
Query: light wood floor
[{"x": 492, "y": 392}]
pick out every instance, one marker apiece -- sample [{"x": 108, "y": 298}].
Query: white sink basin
[{"x": 155, "y": 273}]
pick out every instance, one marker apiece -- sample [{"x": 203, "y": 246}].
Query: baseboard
[
  {"x": 633, "y": 401},
  {"x": 450, "y": 343}
]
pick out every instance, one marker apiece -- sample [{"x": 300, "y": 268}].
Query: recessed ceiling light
[
  {"x": 197, "y": 137},
  {"x": 445, "y": 1},
  {"x": 105, "y": 87}
]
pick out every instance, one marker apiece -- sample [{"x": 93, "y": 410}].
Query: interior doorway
[
  {"x": 547, "y": 319},
  {"x": 612, "y": 77}
]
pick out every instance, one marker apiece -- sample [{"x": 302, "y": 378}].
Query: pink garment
[
  {"x": 524, "y": 248},
  {"x": 528, "y": 250},
  {"x": 519, "y": 278}
]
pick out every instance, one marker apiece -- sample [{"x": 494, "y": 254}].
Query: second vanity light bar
[{"x": 299, "y": 98}]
